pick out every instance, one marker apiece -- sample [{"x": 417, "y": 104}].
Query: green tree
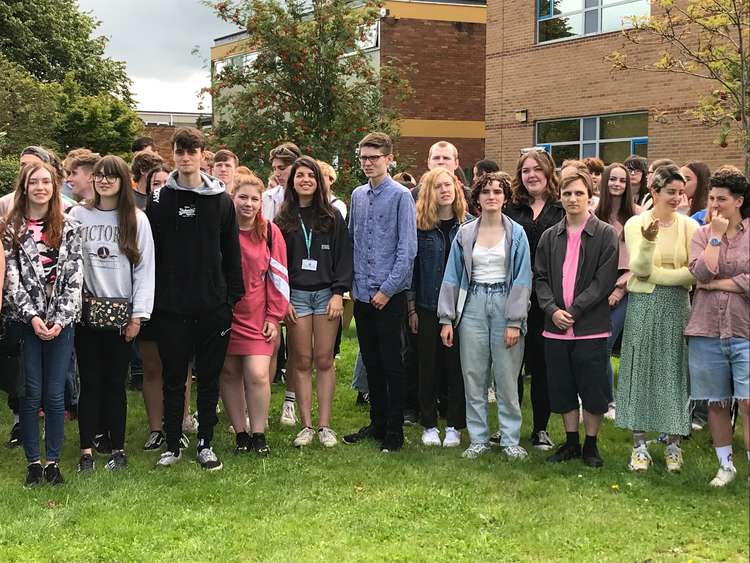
[
  {"x": 708, "y": 39},
  {"x": 51, "y": 38},
  {"x": 307, "y": 79},
  {"x": 28, "y": 110}
]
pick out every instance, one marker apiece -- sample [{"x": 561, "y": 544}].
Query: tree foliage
[
  {"x": 51, "y": 38},
  {"x": 708, "y": 39},
  {"x": 308, "y": 80}
]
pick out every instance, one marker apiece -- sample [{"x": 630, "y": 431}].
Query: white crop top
[{"x": 488, "y": 264}]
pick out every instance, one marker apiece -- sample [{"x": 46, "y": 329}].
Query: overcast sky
[{"x": 156, "y": 38}]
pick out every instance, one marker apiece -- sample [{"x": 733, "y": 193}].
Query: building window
[
  {"x": 610, "y": 137},
  {"x": 564, "y": 19}
]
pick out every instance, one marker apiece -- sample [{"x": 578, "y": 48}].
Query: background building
[
  {"x": 161, "y": 125},
  {"x": 445, "y": 43},
  {"x": 548, "y": 84}
]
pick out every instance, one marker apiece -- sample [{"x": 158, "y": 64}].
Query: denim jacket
[
  {"x": 457, "y": 277},
  {"x": 429, "y": 266},
  {"x": 25, "y": 288}
]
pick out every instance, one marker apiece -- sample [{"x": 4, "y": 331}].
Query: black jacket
[
  {"x": 196, "y": 240},
  {"x": 595, "y": 279},
  {"x": 552, "y": 213}
]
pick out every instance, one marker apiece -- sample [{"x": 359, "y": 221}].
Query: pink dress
[{"x": 266, "y": 294}]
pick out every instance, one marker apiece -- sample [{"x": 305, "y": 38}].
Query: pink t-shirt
[{"x": 569, "y": 274}]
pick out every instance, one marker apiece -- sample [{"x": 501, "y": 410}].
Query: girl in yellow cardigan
[{"x": 652, "y": 391}]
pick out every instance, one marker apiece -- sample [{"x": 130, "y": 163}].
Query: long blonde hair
[{"x": 427, "y": 204}]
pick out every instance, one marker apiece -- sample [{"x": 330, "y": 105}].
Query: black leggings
[
  {"x": 103, "y": 359},
  {"x": 533, "y": 359}
]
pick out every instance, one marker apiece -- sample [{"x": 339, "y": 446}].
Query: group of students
[{"x": 536, "y": 273}]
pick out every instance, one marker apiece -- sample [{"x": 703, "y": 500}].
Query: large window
[
  {"x": 562, "y": 19},
  {"x": 610, "y": 137}
]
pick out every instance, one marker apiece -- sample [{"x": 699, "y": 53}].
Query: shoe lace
[
  {"x": 543, "y": 437},
  {"x": 207, "y": 454},
  {"x": 515, "y": 450}
]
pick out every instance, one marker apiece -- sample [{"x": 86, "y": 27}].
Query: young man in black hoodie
[{"x": 198, "y": 281}]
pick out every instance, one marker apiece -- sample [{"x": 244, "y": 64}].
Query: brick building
[
  {"x": 161, "y": 125},
  {"x": 445, "y": 42},
  {"x": 548, "y": 84}
]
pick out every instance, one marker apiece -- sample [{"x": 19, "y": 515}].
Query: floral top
[{"x": 48, "y": 255}]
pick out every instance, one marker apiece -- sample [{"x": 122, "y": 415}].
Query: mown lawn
[{"x": 353, "y": 503}]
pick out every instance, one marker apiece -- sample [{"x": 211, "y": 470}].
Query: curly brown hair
[
  {"x": 730, "y": 178},
  {"x": 502, "y": 178}
]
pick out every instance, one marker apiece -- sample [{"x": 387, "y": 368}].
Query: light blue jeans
[{"x": 486, "y": 359}]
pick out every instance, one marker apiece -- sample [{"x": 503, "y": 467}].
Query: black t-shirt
[{"x": 445, "y": 227}]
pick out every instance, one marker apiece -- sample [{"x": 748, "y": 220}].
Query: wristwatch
[{"x": 713, "y": 241}]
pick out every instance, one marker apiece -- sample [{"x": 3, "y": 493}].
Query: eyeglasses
[
  {"x": 371, "y": 159},
  {"x": 110, "y": 178},
  {"x": 633, "y": 171}
]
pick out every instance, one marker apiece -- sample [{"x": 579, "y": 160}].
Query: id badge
[{"x": 310, "y": 265}]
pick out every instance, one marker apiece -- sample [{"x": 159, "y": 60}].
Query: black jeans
[
  {"x": 103, "y": 358},
  {"x": 379, "y": 335},
  {"x": 180, "y": 338},
  {"x": 410, "y": 354},
  {"x": 533, "y": 359},
  {"x": 439, "y": 369}
]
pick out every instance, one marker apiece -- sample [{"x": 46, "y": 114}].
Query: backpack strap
[{"x": 269, "y": 240}]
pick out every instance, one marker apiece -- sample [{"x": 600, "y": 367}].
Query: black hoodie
[{"x": 196, "y": 240}]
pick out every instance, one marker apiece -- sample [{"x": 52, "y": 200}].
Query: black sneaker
[
  {"x": 541, "y": 440},
  {"x": 363, "y": 399},
  {"x": 495, "y": 439},
  {"x": 34, "y": 475},
  {"x": 208, "y": 460},
  {"x": 155, "y": 441},
  {"x": 52, "y": 474},
  {"x": 392, "y": 442},
  {"x": 364, "y": 433},
  {"x": 565, "y": 453},
  {"x": 117, "y": 461},
  {"x": 14, "y": 440},
  {"x": 243, "y": 443},
  {"x": 184, "y": 442},
  {"x": 85, "y": 464},
  {"x": 102, "y": 444},
  {"x": 410, "y": 417},
  {"x": 259, "y": 445},
  {"x": 592, "y": 458}
]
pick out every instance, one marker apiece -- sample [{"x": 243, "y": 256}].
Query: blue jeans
[
  {"x": 45, "y": 365},
  {"x": 485, "y": 358},
  {"x": 359, "y": 379},
  {"x": 719, "y": 368},
  {"x": 617, "y": 323}
]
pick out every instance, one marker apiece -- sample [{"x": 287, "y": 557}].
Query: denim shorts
[
  {"x": 717, "y": 365},
  {"x": 308, "y": 303}
]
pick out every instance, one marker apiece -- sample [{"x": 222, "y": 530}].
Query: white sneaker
[
  {"x": 288, "y": 416},
  {"x": 514, "y": 452},
  {"x": 168, "y": 458},
  {"x": 327, "y": 437},
  {"x": 305, "y": 437},
  {"x": 190, "y": 424},
  {"x": 611, "y": 412},
  {"x": 452, "y": 438},
  {"x": 475, "y": 450},
  {"x": 431, "y": 437},
  {"x": 724, "y": 476}
]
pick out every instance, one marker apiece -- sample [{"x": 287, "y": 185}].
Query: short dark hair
[
  {"x": 377, "y": 140},
  {"x": 485, "y": 166},
  {"x": 87, "y": 160},
  {"x": 223, "y": 155},
  {"x": 581, "y": 175},
  {"x": 285, "y": 152},
  {"x": 142, "y": 143},
  {"x": 594, "y": 165},
  {"x": 505, "y": 183},
  {"x": 730, "y": 178},
  {"x": 143, "y": 162},
  {"x": 665, "y": 174},
  {"x": 188, "y": 138}
]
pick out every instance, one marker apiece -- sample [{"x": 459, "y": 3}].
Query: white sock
[
  {"x": 16, "y": 420},
  {"x": 724, "y": 453},
  {"x": 290, "y": 396}
]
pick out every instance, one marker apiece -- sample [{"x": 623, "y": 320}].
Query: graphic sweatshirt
[{"x": 106, "y": 270}]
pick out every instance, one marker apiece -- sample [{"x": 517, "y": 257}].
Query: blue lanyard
[{"x": 308, "y": 236}]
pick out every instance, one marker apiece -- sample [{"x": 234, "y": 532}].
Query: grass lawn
[{"x": 354, "y": 503}]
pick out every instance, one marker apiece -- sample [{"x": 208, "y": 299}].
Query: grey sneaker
[
  {"x": 475, "y": 450},
  {"x": 327, "y": 437},
  {"x": 117, "y": 461},
  {"x": 208, "y": 460},
  {"x": 304, "y": 437},
  {"x": 169, "y": 458},
  {"x": 514, "y": 452}
]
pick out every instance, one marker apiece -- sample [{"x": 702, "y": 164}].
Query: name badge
[
  {"x": 310, "y": 265},
  {"x": 325, "y": 247}
]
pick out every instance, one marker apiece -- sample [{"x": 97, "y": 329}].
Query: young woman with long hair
[
  {"x": 319, "y": 255},
  {"x": 535, "y": 205},
  {"x": 441, "y": 210},
  {"x": 245, "y": 380},
  {"x": 637, "y": 168},
  {"x": 697, "y": 176},
  {"x": 118, "y": 263},
  {"x": 652, "y": 391},
  {"x": 615, "y": 207},
  {"x": 44, "y": 277},
  {"x": 485, "y": 296}
]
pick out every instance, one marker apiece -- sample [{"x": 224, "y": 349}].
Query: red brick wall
[
  {"x": 162, "y": 135},
  {"x": 412, "y": 153},
  {"x": 572, "y": 79}
]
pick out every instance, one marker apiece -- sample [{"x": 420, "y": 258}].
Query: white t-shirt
[{"x": 488, "y": 264}]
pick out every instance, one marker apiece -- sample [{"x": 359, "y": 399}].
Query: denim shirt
[
  {"x": 429, "y": 265},
  {"x": 383, "y": 228}
]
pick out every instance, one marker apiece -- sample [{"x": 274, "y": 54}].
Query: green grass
[{"x": 353, "y": 503}]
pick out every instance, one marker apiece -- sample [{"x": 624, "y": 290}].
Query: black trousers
[
  {"x": 439, "y": 369},
  {"x": 180, "y": 338},
  {"x": 103, "y": 359},
  {"x": 379, "y": 335},
  {"x": 533, "y": 359},
  {"x": 410, "y": 354}
]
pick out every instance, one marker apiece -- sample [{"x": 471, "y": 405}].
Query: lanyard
[{"x": 308, "y": 236}]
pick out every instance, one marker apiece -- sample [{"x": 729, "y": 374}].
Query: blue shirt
[
  {"x": 700, "y": 216},
  {"x": 383, "y": 228}
]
